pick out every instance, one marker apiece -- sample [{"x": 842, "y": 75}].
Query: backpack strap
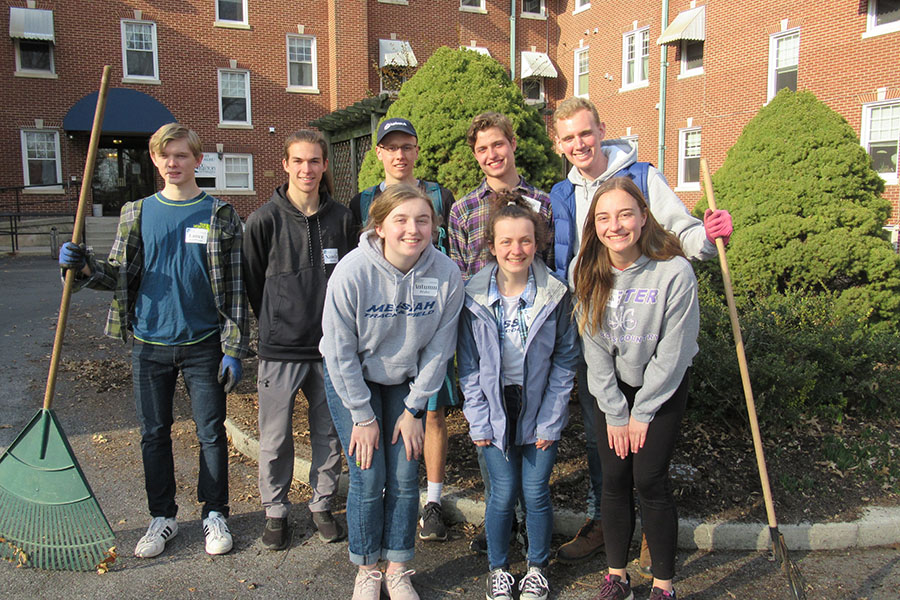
[
  {"x": 434, "y": 192},
  {"x": 365, "y": 201}
]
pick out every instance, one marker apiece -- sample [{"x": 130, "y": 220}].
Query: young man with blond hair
[
  {"x": 175, "y": 272},
  {"x": 579, "y": 134}
]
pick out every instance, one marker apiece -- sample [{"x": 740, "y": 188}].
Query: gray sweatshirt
[
  {"x": 384, "y": 326},
  {"x": 648, "y": 339}
]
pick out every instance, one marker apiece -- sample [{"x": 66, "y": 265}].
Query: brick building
[{"x": 245, "y": 73}]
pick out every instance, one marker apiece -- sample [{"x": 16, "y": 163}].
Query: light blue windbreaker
[{"x": 551, "y": 352}]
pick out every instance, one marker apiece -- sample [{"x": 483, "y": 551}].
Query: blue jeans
[
  {"x": 383, "y": 501},
  {"x": 525, "y": 471},
  {"x": 155, "y": 369},
  {"x": 589, "y": 418}
]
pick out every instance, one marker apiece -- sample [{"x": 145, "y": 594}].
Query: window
[
  {"x": 581, "y": 72},
  {"x": 472, "y": 5},
  {"x": 533, "y": 89},
  {"x": 533, "y": 8},
  {"x": 635, "y": 58},
  {"x": 784, "y": 57},
  {"x": 581, "y": 5},
  {"x": 691, "y": 58},
  {"x": 225, "y": 172},
  {"x": 689, "y": 159},
  {"x": 40, "y": 157},
  {"x": 231, "y": 13},
  {"x": 139, "y": 57},
  {"x": 234, "y": 97},
  {"x": 392, "y": 77},
  {"x": 879, "y": 135},
  {"x": 883, "y": 17},
  {"x": 34, "y": 57},
  {"x": 301, "y": 57}
]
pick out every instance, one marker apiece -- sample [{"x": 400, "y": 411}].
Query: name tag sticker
[
  {"x": 426, "y": 286},
  {"x": 195, "y": 235},
  {"x": 331, "y": 255},
  {"x": 533, "y": 204}
]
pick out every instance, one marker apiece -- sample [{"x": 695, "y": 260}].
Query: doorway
[{"x": 123, "y": 173}]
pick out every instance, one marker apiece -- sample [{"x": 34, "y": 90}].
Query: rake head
[{"x": 791, "y": 571}]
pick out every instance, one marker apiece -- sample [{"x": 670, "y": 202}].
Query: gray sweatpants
[{"x": 278, "y": 385}]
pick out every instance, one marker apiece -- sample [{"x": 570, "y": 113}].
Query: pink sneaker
[
  {"x": 398, "y": 586},
  {"x": 367, "y": 585}
]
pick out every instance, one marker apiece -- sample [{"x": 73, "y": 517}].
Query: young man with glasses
[{"x": 397, "y": 147}]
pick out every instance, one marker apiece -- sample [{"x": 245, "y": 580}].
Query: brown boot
[
  {"x": 586, "y": 543},
  {"x": 644, "y": 562}
]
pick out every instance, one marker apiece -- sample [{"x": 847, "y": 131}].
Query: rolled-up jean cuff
[
  {"x": 365, "y": 559},
  {"x": 400, "y": 556}
]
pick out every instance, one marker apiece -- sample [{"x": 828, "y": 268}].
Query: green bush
[
  {"x": 806, "y": 359},
  {"x": 807, "y": 211},
  {"x": 441, "y": 98}
]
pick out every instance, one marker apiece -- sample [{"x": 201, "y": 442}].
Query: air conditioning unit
[{"x": 894, "y": 232}]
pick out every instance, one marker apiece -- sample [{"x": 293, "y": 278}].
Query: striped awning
[
  {"x": 31, "y": 24},
  {"x": 689, "y": 25},
  {"x": 395, "y": 53},
  {"x": 537, "y": 64}
]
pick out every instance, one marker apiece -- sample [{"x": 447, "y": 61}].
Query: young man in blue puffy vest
[
  {"x": 397, "y": 147},
  {"x": 579, "y": 133}
]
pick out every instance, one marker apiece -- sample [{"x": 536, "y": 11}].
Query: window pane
[
  {"x": 884, "y": 156},
  {"x": 788, "y": 52},
  {"x": 237, "y": 172},
  {"x": 472, "y": 3},
  {"x": 531, "y": 88},
  {"x": 531, "y": 6},
  {"x": 887, "y": 11},
  {"x": 233, "y": 85},
  {"x": 301, "y": 75},
  {"x": 692, "y": 170},
  {"x": 40, "y": 153},
  {"x": 231, "y": 10},
  {"x": 786, "y": 79},
  {"x": 884, "y": 123},
  {"x": 138, "y": 36},
  {"x": 693, "y": 55},
  {"x": 139, "y": 63},
  {"x": 234, "y": 109},
  {"x": 34, "y": 55},
  {"x": 208, "y": 183}
]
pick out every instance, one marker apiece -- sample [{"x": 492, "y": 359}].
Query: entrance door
[{"x": 123, "y": 173}]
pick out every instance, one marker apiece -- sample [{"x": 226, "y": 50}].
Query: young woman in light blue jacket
[{"x": 516, "y": 357}]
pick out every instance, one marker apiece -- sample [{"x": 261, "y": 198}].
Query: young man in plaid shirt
[{"x": 175, "y": 273}]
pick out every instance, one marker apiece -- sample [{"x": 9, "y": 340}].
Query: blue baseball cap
[{"x": 395, "y": 124}]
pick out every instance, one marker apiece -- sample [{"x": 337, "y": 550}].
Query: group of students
[{"x": 521, "y": 292}]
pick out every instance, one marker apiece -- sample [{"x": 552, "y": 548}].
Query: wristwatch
[{"x": 417, "y": 414}]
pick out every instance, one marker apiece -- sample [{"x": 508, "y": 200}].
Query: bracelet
[{"x": 366, "y": 423}]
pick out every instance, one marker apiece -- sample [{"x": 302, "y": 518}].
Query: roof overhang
[
  {"x": 127, "y": 111},
  {"x": 689, "y": 25},
  {"x": 31, "y": 24},
  {"x": 395, "y": 53},
  {"x": 537, "y": 64}
]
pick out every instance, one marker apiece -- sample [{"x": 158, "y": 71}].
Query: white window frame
[
  {"x": 577, "y": 74},
  {"x": 872, "y": 26},
  {"x": 686, "y": 186},
  {"x": 581, "y": 6},
  {"x": 248, "y": 123},
  {"x": 24, "y": 72},
  {"x": 126, "y": 76},
  {"x": 774, "y": 40},
  {"x": 481, "y": 8},
  {"x": 865, "y": 134},
  {"x": 535, "y": 15},
  {"x": 314, "y": 85},
  {"x": 641, "y": 37},
  {"x": 23, "y": 136},
  {"x": 685, "y": 70},
  {"x": 215, "y": 165},
  {"x": 540, "y": 82},
  {"x": 242, "y": 24}
]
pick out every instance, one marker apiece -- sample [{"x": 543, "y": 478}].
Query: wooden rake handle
[
  {"x": 76, "y": 236},
  {"x": 741, "y": 356}
]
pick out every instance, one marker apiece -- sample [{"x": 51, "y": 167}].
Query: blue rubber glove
[
  {"x": 72, "y": 256},
  {"x": 230, "y": 372}
]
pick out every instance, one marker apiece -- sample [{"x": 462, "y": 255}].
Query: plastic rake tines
[{"x": 49, "y": 517}]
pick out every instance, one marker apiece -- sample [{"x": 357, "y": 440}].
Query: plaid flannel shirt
[
  {"x": 469, "y": 220},
  {"x": 121, "y": 274}
]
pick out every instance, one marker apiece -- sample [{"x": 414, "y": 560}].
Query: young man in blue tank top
[{"x": 175, "y": 270}]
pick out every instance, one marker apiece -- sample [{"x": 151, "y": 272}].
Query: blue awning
[{"x": 127, "y": 111}]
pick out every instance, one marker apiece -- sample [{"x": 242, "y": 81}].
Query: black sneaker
[
  {"x": 277, "y": 534},
  {"x": 534, "y": 585},
  {"x": 614, "y": 588},
  {"x": 479, "y": 543},
  {"x": 329, "y": 529},
  {"x": 432, "y": 524},
  {"x": 499, "y": 585}
]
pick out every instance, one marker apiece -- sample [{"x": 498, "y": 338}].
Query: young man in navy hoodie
[{"x": 291, "y": 245}]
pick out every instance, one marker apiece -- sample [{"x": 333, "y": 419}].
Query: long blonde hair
[{"x": 593, "y": 276}]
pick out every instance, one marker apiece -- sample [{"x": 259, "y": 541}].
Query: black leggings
[{"x": 648, "y": 471}]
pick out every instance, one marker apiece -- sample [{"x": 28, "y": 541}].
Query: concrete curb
[{"x": 879, "y": 526}]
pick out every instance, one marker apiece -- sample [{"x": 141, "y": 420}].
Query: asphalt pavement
[{"x": 98, "y": 419}]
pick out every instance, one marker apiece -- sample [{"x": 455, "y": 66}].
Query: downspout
[
  {"x": 663, "y": 68},
  {"x": 512, "y": 39}
]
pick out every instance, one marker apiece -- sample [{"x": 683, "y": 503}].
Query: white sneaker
[
  {"x": 218, "y": 538},
  {"x": 161, "y": 530}
]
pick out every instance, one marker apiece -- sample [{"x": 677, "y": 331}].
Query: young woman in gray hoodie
[
  {"x": 390, "y": 326},
  {"x": 637, "y": 310}
]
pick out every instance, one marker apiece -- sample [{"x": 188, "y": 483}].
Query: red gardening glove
[{"x": 717, "y": 225}]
